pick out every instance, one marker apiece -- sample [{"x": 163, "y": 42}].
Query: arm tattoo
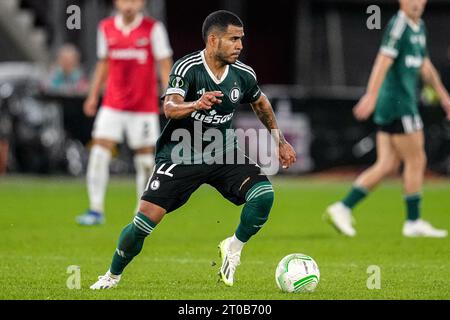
[{"x": 266, "y": 115}]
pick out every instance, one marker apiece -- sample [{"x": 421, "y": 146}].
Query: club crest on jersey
[
  {"x": 142, "y": 42},
  {"x": 177, "y": 82},
  {"x": 155, "y": 184},
  {"x": 235, "y": 94}
]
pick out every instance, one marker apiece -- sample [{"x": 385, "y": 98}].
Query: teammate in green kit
[
  {"x": 205, "y": 88},
  {"x": 391, "y": 95}
]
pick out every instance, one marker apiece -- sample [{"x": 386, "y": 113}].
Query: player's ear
[{"x": 213, "y": 39}]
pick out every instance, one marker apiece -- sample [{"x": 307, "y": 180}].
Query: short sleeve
[
  {"x": 253, "y": 91},
  {"x": 391, "y": 43},
  {"x": 177, "y": 85},
  {"x": 102, "y": 44},
  {"x": 160, "y": 42}
]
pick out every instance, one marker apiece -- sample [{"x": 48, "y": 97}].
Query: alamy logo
[
  {"x": 74, "y": 20},
  {"x": 212, "y": 146},
  {"x": 235, "y": 94}
]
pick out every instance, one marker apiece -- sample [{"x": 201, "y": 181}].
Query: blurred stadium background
[{"x": 313, "y": 58}]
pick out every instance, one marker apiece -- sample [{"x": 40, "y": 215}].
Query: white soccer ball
[{"x": 297, "y": 272}]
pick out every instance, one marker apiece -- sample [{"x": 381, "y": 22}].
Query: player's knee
[
  {"x": 265, "y": 201},
  {"x": 418, "y": 161},
  {"x": 103, "y": 143},
  {"x": 391, "y": 167},
  {"x": 152, "y": 211},
  {"x": 262, "y": 200},
  {"x": 386, "y": 168}
]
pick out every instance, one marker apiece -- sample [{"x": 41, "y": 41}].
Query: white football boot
[
  {"x": 108, "y": 281},
  {"x": 421, "y": 228},
  {"x": 230, "y": 261},
  {"x": 340, "y": 217}
]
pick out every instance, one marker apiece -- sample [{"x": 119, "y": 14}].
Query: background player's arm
[
  {"x": 366, "y": 104},
  {"x": 176, "y": 108},
  {"x": 164, "y": 67},
  {"x": 431, "y": 76},
  {"x": 264, "y": 111},
  {"x": 100, "y": 75}
]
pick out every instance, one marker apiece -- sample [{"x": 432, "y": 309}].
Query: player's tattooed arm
[
  {"x": 176, "y": 108},
  {"x": 263, "y": 110}
]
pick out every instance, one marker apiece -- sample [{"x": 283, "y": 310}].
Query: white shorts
[{"x": 141, "y": 129}]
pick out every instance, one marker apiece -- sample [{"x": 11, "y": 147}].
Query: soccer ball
[{"x": 297, "y": 272}]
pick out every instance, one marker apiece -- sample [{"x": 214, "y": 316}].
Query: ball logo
[
  {"x": 177, "y": 82},
  {"x": 155, "y": 185},
  {"x": 234, "y": 94}
]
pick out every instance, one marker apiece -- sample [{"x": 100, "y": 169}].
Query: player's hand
[
  {"x": 90, "y": 106},
  {"x": 208, "y": 99},
  {"x": 287, "y": 155},
  {"x": 365, "y": 107},
  {"x": 445, "y": 102}
]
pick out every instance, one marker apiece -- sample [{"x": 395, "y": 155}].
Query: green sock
[
  {"x": 355, "y": 195},
  {"x": 131, "y": 241},
  {"x": 256, "y": 210},
  {"x": 413, "y": 206}
]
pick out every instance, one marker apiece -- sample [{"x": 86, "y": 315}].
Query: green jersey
[
  {"x": 405, "y": 42},
  {"x": 208, "y": 132}
]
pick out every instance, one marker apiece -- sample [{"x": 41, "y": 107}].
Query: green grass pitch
[{"x": 40, "y": 240}]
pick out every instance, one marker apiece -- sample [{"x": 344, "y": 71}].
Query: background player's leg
[
  {"x": 97, "y": 180},
  {"x": 98, "y": 173},
  {"x": 387, "y": 163},
  {"x": 339, "y": 213},
  {"x": 144, "y": 162},
  {"x": 142, "y": 130},
  {"x": 410, "y": 147},
  {"x": 107, "y": 133}
]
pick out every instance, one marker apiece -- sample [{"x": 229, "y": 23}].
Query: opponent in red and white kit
[{"x": 131, "y": 49}]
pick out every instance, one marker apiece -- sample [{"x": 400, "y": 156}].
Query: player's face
[
  {"x": 229, "y": 46},
  {"x": 68, "y": 61},
  {"x": 129, "y": 8},
  {"x": 413, "y": 8}
]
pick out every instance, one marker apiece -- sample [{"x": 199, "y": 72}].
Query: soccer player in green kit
[
  {"x": 391, "y": 96},
  {"x": 204, "y": 90}
]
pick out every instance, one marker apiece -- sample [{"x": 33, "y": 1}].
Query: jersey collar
[
  {"x": 211, "y": 74},
  {"x": 412, "y": 24},
  {"x": 126, "y": 29}
]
